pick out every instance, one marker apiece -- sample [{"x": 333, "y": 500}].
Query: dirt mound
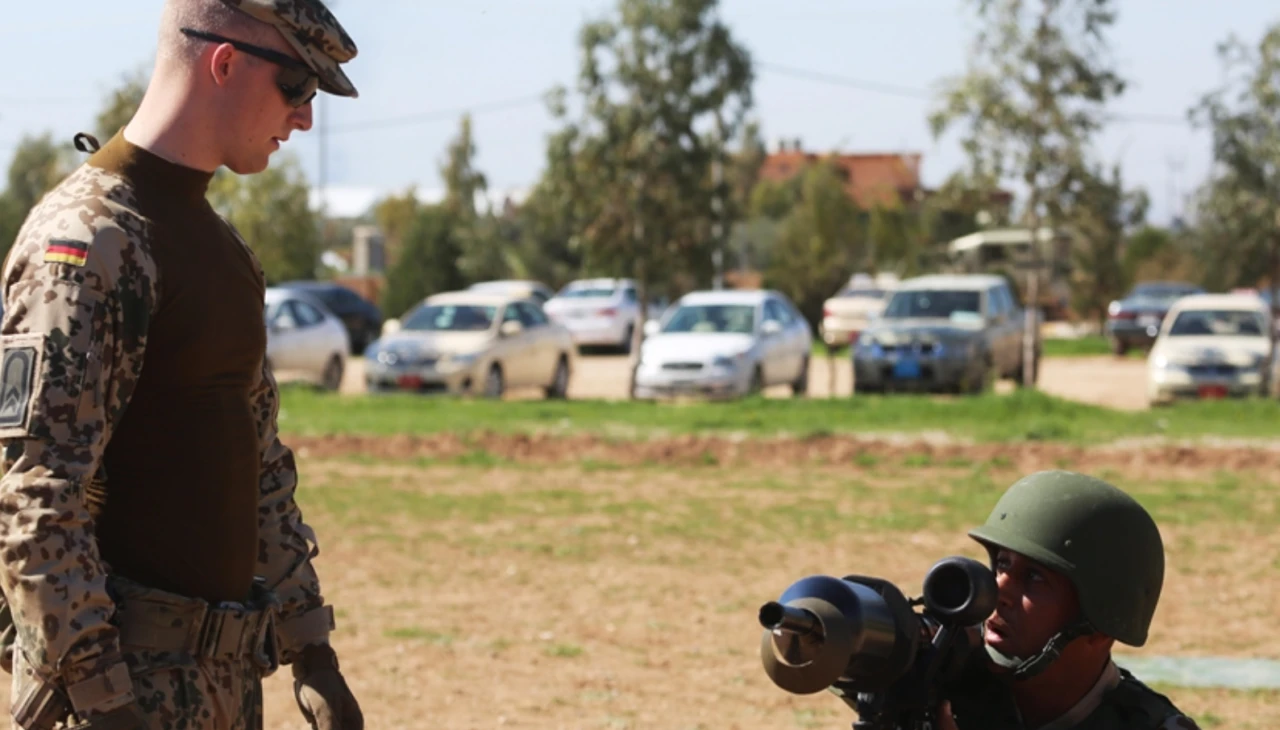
[{"x": 699, "y": 450}]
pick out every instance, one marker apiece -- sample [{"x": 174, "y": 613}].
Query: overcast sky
[{"x": 422, "y": 62}]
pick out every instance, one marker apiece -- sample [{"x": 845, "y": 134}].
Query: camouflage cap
[{"x": 313, "y": 32}]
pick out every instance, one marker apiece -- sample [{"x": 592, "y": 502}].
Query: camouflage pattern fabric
[
  {"x": 81, "y": 288},
  {"x": 174, "y": 692},
  {"x": 314, "y": 33}
]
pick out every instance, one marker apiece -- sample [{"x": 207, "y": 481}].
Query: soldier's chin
[{"x": 249, "y": 166}]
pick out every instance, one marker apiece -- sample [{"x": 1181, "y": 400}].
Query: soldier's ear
[{"x": 220, "y": 63}]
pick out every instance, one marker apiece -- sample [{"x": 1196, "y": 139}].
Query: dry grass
[
  {"x": 476, "y": 593},
  {"x": 569, "y": 597}
]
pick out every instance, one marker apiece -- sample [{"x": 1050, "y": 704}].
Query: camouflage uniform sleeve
[
  {"x": 77, "y": 311},
  {"x": 286, "y": 544}
]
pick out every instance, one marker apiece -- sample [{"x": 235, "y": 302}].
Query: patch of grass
[
  {"x": 1020, "y": 416},
  {"x": 917, "y": 460},
  {"x": 866, "y": 460},
  {"x": 1088, "y": 345},
  {"x": 414, "y": 633},
  {"x": 564, "y": 651}
]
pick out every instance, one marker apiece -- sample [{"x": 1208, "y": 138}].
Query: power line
[
  {"x": 925, "y": 94},
  {"x": 439, "y": 115}
]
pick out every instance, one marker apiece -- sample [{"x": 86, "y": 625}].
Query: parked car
[
  {"x": 1212, "y": 346},
  {"x": 1135, "y": 320},
  {"x": 724, "y": 344},
  {"x": 853, "y": 308},
  {"x": 304, "y": 339},
  {"x": 944, "y": 332},
  {"x": 597, "y": 311},
  {"x": 535, "y": 290},
  {"x": 472, "y": 343},
  {"x": 361, "y": 317}
]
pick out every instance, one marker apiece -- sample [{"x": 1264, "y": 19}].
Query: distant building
[
  {"x": 368, "y": 251},
  {"x": 887, "y": 179}
]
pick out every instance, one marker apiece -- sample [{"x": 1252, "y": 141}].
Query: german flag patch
[{"x": 67, "y": 252}]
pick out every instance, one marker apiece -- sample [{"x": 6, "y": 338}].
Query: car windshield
[
  {"x": 1224, "y": 323},
  {"x": 714, "y": 318},
  {"x": 934, "y": 303},
  {"x": 450, "y": 318},
  {"x": 863, "y": 293},
  {"x": 588, "y": 292}
]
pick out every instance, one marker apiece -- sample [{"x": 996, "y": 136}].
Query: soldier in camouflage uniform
[
  {"x": 155, "y": 564},
  {"x": 1079, "y": 565}
]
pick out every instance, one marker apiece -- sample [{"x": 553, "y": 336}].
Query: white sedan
[
  {"x": 724, "y": 344},
  {"x": 305, "y": 341},
  {"x": 1212, "y": 346},
  {"x": 597, "y": 311}
]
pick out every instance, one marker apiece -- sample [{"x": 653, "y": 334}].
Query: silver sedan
[{"x": 305, "y": 341}]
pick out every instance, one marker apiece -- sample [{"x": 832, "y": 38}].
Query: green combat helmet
[{"x": 1098, "y": 537}]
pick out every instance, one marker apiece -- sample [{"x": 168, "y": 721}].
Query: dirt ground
[
  {"x": 1108, "y": 381},
  {"x": 558, "y": 596},
  {"x": 577, "y": 583}
]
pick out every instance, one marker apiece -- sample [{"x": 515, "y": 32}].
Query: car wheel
[
  {"x": 331, "y": 378},
  {"x": 800, "y": 388},
  {"x": 756, "y": 386},
  {"x": 984, "y": 379},
  {"x": 493, "y": 382},
  {"x": 559, "y": 387}
]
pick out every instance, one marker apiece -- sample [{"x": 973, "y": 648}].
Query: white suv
[{"x": 597, "y": 311}]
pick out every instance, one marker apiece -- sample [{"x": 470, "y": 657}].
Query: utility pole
[{"x": 718, "y": 206}]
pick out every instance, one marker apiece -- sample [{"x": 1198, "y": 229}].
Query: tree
[
  {"x": 427, "y": 263},
  {"x": 664, "y": 86},
  {"x": 820, "y": 243},
  {"x": 394, "y": 214},
  {"x": 483, "y": 240},
  {"x": 271, "y": 210},
  {"x": 462, "y": 181},
  {"x": 1030, "y": 101},
  {"x": 1239, "y": 209},
  {"x": 38, "y": 165},
  {"x": 1103, "y": 213},
  {"x": 1158, "y": 254},
  {"x": 121, "y": 104}
]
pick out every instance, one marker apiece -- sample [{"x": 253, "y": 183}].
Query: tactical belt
[
  {"x": 199, "y": 629},
  {"x": 154, "y": 620}
]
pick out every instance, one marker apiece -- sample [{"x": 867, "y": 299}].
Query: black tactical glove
[{"x": 323, "y": 696}]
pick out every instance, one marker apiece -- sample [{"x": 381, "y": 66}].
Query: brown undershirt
[{"x": 178, "y": 510}]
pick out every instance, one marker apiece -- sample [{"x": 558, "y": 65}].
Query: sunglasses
[{"x": 296, "y": 80}]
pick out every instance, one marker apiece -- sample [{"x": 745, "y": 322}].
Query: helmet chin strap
[{"x": 1026, "y": 668}]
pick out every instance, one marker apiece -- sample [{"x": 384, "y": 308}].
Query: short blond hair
[{"x": 210, "y": 16}]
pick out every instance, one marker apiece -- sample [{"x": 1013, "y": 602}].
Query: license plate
[
  {"x": 1213, "y": 391},
  {"x": 906, "y": 368},
  {"x": 409, "y": 382}
]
